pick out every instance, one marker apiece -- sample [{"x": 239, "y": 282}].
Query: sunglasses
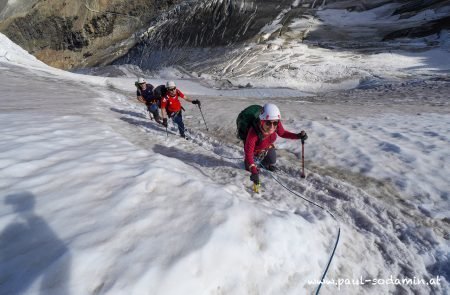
[
  {"x": 271, "y": 123},
  {"x": 170, "y": 89}
]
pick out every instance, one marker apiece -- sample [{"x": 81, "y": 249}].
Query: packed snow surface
[{"x": 95, "y": 198}]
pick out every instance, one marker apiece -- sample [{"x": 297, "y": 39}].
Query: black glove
[
  {"x": 165, "y": 122},
  {"x": 302, "y": 135},
  {"x": 255, "y": 178},
  {"x": 196, "y": 102}
]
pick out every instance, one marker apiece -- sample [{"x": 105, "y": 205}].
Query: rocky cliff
[
  {"x": 154, "y": 33},
  {"x": 73, "y": 34},
  {"x": 202, "y": 30}
]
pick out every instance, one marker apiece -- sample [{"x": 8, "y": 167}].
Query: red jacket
[
  {"x": 172, "y": 103},
  {"x": 252, "y": 147}
]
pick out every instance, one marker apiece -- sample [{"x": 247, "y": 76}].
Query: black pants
[{"x": 268, "y": 159}]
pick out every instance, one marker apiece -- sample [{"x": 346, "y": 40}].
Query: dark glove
[
  {"x": 302, "y": 135},
  {"x": 255, "y": 178},
  {"x": 196, "y": 102},
  {"x": 165, "y": 122}
]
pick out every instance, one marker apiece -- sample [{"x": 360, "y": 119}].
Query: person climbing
[
  {"x": 171, "y": 106},
  {"x": 145, "y": 95},
  {"x": 259, "y": 142}
]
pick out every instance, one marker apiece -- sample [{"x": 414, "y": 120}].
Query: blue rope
[
  {"x": 329, "y": 261},
  {"x": 315, "y": 204}
]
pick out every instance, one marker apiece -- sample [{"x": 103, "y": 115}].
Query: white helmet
[
  {"x": 141, "y": 80},
  {"x": 270, "y": 112},
  {"x": 170, "y": 84}
]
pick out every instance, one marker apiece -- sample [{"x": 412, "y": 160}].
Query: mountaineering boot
[{"x": 273, "y": 168}]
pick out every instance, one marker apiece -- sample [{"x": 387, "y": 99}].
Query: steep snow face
[{"x": 272, "y": 43}]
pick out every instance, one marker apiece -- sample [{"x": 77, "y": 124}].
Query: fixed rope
[{"x": 321, "y": 207}]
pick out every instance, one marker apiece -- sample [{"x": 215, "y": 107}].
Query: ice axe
[{"x": 303, "y": 160}]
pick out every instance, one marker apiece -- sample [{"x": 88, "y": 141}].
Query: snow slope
[{"x": 97, "y": 199}]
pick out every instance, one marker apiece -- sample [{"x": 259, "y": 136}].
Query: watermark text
[{"x": 435, "y": 281}]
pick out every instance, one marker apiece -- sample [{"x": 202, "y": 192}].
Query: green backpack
[{"x": 249, "y": 117}]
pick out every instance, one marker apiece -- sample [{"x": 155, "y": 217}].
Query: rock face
[
  {"x": 73, "y": 34},
  {"x": 213, "y": 22},
  {"x": 205, "y": 24},
  {"x": 196, "y": 31},
  {"x": 154, "y": 33}
]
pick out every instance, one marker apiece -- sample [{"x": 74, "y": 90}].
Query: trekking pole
[
  {"x": 303, "y": 160},
  {"x": 200, "y": 108}
]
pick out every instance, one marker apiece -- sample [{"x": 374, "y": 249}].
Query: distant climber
[
  {"x": 171, "y": 106},
  {"x": 145, "y": 95}
]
